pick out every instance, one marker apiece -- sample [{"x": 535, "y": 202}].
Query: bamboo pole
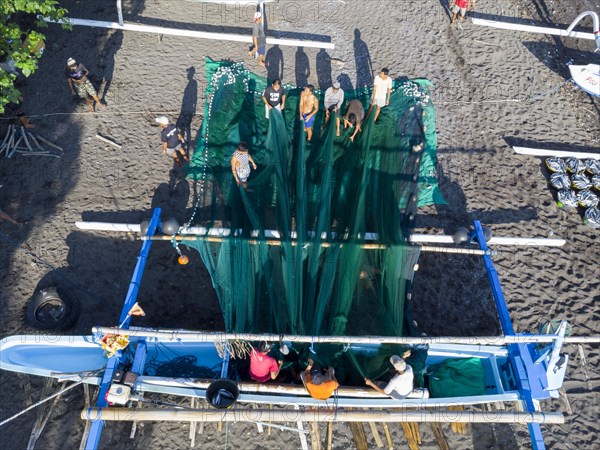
[
  {"x": 439, "y": 436},
  {"x": 560, "y": 153},
  {"x": 315, "y": 436},
  {"x": 108, "y": 141},
  {"x": 199, "y": 336},
  {"x": 192, "y": 232},
  {"x": 532, "y": 29},
  {"x": 329, "y": 435},
  {"x": 388, "y": 436},
  {"x": 49, "y": 143},
  {"x": 247, "y": 38},
  {"x": 317, "y": 415},
  {"x": 24, "y": 134},
  {"x": 358, "y": 434},
  {"x": 409, "y": 435},
  {"x": 34, "y": 140},
  {"x": 376, "y": 435}
]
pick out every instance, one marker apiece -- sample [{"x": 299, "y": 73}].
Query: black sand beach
[{"x": 492, "y": 88}]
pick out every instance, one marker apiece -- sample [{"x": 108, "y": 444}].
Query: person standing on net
[
  {"x": 77, "y": 77},
  {"x": 354, "y": 117},
  {"x": 274, "y": 97},
  {"x": 309, "y": 106},
  {"x": 382, "y": 89},
  {"x": 240, "y": 165},
  {"x": 171, "y": 140},
  {"x": 259, "y": 40},
  {"x": 334, "y": 99}
]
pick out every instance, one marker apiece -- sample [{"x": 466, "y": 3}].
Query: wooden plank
[
  {"x": 376, "y": 435},
  {"x": 24, "y": 134},
  {"x": 409, "y": 434},
  {"x": 439, "y": 436},
  {"x": 35, "y": 141},
  {"x": 329, "y": 435}
]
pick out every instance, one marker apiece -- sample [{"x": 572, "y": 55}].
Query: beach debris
[
  {"x": 580, "y": 181},
  {"x": 592, "y": 217},
  {"x": 560, "y": 180},
  {"x": 596, "y": 182},
  {"x": 587, "y": 199},
  {"x": 567, "y": 199},
  {"x": 575, "y": 165},
  {"x": 556, "y": 165},
  {"x": 18, "y": 140},
  {"x": 108, "y": 140}
]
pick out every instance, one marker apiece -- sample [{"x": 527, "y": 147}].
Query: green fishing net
[
  {"x": 317, "y": 243},
  {"x": 457, "y": 378}
]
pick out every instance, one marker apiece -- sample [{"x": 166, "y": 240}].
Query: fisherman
[
  {"x": 259, "y": 40},
  {"x": 262, "y": 366},
  {"x": 77, "y": 75},
  {"x": 354, "y": 117},
  {"x": 171, "y": 140},
  {"x": 318, "y": 384},
  {"x": 382, "y": 89},
  {"x": 240, "y": 165},
  {"x": 334, "y": 98},
  {"x": 309, "y": 106},
  {"x": 274, "y": 97},
  {"x": 401, "y": 385}
]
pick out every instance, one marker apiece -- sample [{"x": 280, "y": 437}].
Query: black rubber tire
[{"x": 53, "y": 308}]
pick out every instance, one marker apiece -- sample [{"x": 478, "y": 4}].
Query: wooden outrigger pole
[{"x": 317, "y": 415}]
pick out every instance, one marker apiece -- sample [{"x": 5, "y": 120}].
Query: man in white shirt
[
  {"x": 401, "y": 385},
  {"x": 382, "y": 88},
  {"x": 334, "y": 98}
]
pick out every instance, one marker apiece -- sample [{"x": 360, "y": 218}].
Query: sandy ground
[{"x": 492, "y": 88}]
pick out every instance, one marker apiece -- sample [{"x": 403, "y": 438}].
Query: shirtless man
[{"x": 309, "y": 106}]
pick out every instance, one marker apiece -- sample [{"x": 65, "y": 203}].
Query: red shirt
[
  {"x": 261, "y": 366},
  {"x": 462, "y": 3}
]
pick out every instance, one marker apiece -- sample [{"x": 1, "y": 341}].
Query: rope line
[{"x": 35, "y": 405}]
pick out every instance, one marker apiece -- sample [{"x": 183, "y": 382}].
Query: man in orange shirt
[{"x": 319, "y": 385}]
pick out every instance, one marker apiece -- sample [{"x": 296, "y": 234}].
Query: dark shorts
[{"x": 261, "y": 50}]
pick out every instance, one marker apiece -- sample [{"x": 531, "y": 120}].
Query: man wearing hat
[
  {"x": 77, "y": 77},
  {"x": 401, "y": 385},
  {"x": 320, "y": 386},
  {"x": 259, "y": 40},
  {"x": 171, "y": 140},
  {"x": 334, "y": 98}
]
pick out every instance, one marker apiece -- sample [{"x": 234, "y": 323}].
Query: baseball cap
[
  {"x": 163, "y": 120},
  {"x": 257, "y": 15},
  {"x": 336, "y": 85},
  {"x": 71, "y": 62},
  {"x": 398, "y": 363}
]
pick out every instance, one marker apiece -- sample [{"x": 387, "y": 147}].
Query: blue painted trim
[
  {"x": 518, "y": 354},
  {"x": 134, "y": 287}
]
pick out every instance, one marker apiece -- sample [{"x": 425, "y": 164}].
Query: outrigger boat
[{"x": 515, "y": 367}]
